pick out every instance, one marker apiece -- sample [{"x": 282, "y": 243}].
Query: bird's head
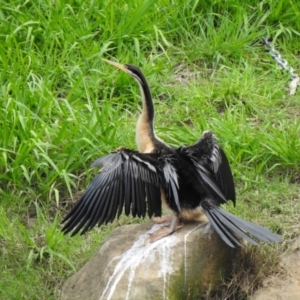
[{"x": 131, "y": 70}]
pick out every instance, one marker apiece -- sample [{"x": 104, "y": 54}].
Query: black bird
[{"x": 191, "y": 181}]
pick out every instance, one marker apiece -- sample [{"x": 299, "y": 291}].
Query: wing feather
[
  {"x": 121, "y": 195},
  {"x": 171, "y": 183},
  {"x": 103, "y": 212},
  {"x": 153, "y": 207},
  {"x": 127, "y": 179},
  {"x": 133, "y": 195},
  {"x": 112, "y": 210},
  {"x": 96, "y": 214},
  {"x": 128, "y": 191},
  {"x": 212, "y": 165}
]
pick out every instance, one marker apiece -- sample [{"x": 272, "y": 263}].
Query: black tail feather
[
  {"x": 229, "y": 227},
  {"x": 233, "y": 227},
  {"x": 227, "y": 236}
]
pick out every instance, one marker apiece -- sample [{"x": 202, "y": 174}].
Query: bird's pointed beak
[{"x": 117, "y": 65}]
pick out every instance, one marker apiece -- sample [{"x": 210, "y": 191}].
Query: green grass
[{"x": 61, "y": 108}]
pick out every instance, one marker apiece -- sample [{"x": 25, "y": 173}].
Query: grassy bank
[{"x": 61, "y": 108}]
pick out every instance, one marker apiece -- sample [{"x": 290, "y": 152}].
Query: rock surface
[
  {"x": 127, "y": 266},
  {"x": 287, "y": 285}
]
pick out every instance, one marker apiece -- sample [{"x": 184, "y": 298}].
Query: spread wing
[
  {"x": 212, "y": 166},
  {"x": 128, "y": 179}
]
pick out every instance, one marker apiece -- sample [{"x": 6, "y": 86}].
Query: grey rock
[
  {"x": 284, "y": 286},
  {"x": 183, "y": 265}
]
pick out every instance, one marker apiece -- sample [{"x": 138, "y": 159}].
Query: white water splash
[
  {"x": 141, "y": 250},
  {"x": 185, "y": 237}
]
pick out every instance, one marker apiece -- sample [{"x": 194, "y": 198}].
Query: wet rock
[
  {"x": 184, "y": 265},
  {"x": 285, "y": 286}
]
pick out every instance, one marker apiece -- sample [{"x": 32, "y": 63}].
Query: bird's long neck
[{"x": 145, "y": 136}]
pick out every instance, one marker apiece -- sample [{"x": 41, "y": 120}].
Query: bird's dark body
[
  {"x": 191, "y": 190},
  {"x": 192, "y": 181}
]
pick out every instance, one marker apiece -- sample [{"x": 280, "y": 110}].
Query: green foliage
[{"x": 61, "y": 108}]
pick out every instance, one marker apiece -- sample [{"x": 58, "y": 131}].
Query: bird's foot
[
  {"x": 165, "y": 231},
  {"x": 162, "y": 232},
  {"x": 163, "y": 219}
]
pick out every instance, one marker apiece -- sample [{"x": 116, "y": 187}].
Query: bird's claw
[
  {"x": 162, "y": 219},
  {"x": 162, "y": 232}
]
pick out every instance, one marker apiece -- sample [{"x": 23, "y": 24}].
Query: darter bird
[{"x": 190, "y": 181}]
